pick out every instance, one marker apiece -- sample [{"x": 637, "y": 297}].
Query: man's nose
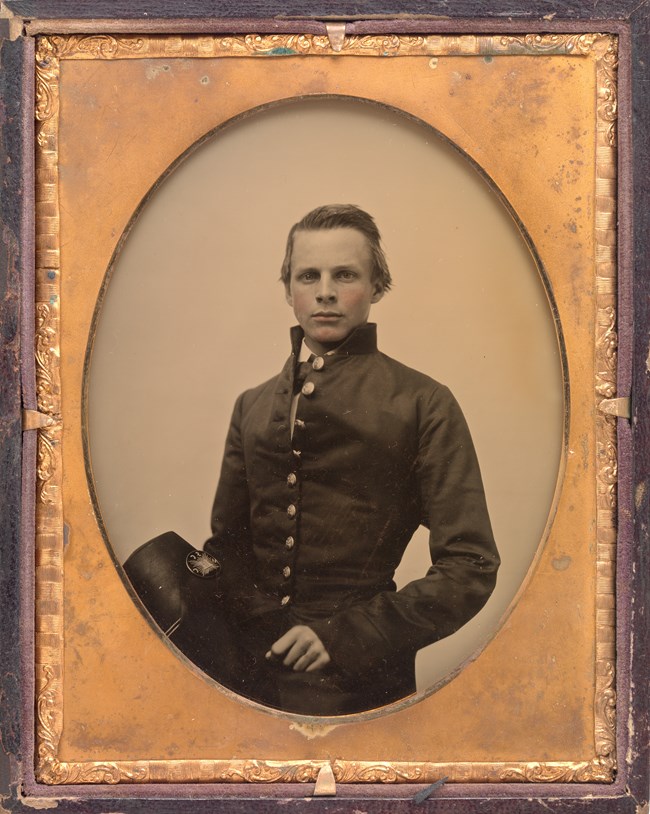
[{"x": 326, "y": 291}]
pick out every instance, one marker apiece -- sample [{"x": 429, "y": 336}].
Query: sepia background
[{"x": 193, "y": 314}]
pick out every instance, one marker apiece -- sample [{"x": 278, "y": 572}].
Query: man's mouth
[{"x": 326, "y": 315}]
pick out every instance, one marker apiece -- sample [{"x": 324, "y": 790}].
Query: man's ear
[
  {"x": 378, "y": 293},
  {"x": 287, "y": 295}
]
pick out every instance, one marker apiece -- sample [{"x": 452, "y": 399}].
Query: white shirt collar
[{"x": 305, "y": 352}]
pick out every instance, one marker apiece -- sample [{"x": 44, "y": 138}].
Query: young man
[{"x": 328, "y": 470}]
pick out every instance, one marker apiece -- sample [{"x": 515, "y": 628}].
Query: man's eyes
[{"x": 313, "y": 276}]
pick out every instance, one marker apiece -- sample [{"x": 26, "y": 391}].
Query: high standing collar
[{"x": 360, "y": 341}]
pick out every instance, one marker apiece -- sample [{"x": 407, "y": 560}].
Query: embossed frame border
[
  {"x": 51, "y": 51},
  {"x": 47, "y": 391},
  {"x": 49, "y": 511}
]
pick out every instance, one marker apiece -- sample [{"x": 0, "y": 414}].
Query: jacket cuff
[{"x": 355, "y": 645}]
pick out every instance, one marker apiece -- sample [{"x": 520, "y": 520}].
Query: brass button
[
  {"x": 285, "y": 600},
  {"x": 297, "y": 453},
  {"x": 291, "y": 510},
  {"x": 290, "y": 542},
  {"x": 318, "y": 363},
  {"x": 286, "y": 572},
  {"x": 308, "y": 388},
  {"x": 299, "y": 423},
  {"x": 292, "y": 479}
]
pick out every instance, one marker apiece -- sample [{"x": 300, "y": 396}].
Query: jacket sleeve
[
  {"x": 230, "y": 542},
  {"x": 464, "y": 558}
]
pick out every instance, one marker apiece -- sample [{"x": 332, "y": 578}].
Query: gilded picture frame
[
  {"x": 596, "y": 419},
  {"x": 54, "y": 509}
]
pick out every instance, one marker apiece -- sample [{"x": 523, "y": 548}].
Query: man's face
[{"x": 330, "y": 288}]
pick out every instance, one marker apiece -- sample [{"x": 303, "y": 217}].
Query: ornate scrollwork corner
[
  {"x": 550, "y": 43},
  {"x": 48, "y": 725},
  {"x": 606, "y": 716},
  {"x": 607, "y": 85},
  {"x": 46, "y": 113},
  {"x": 95, "y": 46},
  {"x": 52, "y": 771},
  {"x": 597, "y": 770},
  {"x": 58, "y": 773},
  {"x": 47, "y": 99}
]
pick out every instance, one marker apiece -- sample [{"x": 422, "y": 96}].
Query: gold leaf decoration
[
  {"x": 296, "y": 44},
  {"x": 603, "y": 767},
  {"x": 606, "y": 718},
  {"x": 49, "y": 768},
  {"x": 45, "y": 467},
  {"x": 260, "y": 771},
  {"x": 47, "y": 728},
  {"x": 384, "y": 45},
  {"x": 96, "y": 46},
  {"x": 272, "y": 44},
  {"x": 606, "y": 345},
  {"x": 608, "y": 89},
  {"x": 105, "y": 46},
  {"x": 49, "y": 513},
  {"x": 46, "y": 356},
  {"x": 46, "y": 99},
  {"x": 47, "y": 395},
  {"x": 593, "y": 771},
  {"x": 550, "y": 43},
  {"x": 380, "y": 772}
]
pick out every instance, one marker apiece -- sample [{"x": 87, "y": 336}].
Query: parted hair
[{"x": 336, "y": 216}]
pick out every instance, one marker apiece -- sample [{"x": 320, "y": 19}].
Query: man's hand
[{"x": 302, "y": 650}]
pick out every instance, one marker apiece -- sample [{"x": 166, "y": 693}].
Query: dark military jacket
[{"x": 312, "y": 524}]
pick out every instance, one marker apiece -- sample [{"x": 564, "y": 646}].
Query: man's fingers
[
  {"x": 298, "y": 650},
  {"x": 312, "y": 656},
  {"x": 292, "y": 645},
  {"x": 284, "y": 642},
  {"x": 301, "y": 648},
  {"x": 321, "y": 660}
]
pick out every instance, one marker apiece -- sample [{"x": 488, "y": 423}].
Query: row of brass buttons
[
  {"x": 292, "y": 511},
  {"x": 307, "y": 389}
]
